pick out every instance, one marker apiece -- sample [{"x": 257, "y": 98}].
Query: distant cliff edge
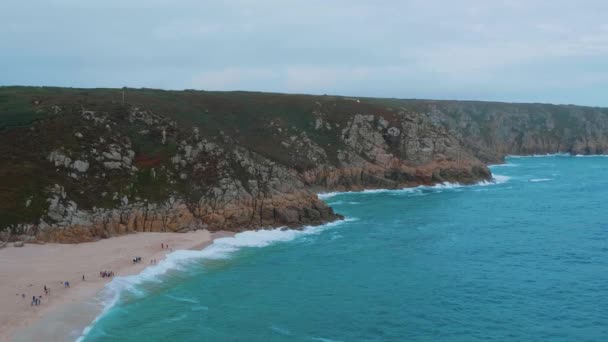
[{"x": 83, "y": 164}]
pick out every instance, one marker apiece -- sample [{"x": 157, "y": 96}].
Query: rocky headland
[{"x": 85, "y": 164}]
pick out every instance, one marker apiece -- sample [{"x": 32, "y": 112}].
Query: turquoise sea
[{"x": 524, "y": 258}]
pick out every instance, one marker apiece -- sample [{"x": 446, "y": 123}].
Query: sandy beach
[{"x": 26, "y": 270}]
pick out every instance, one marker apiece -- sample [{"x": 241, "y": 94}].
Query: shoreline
[
  {"x": 75, "y": 309},
  {"x": 26, "y": 270},
  {"x": 72, "y": 310},
  {"x": 496, "y": 179}
]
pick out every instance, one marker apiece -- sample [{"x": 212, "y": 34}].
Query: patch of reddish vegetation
[{"x": 146, "y": 161}]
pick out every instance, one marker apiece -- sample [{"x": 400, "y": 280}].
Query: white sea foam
[
  {"x": 221, "y": 248},
  {"x": 537, "y": 180},
  {"x": 559, "y": 154},
  {"x": 185, "y": 300},
  {"x": 503, "y": 165},
  {"x": 497, "y": 179},
  {"x": 562, "y": 154},
  {"x": 325, "y": 195}
]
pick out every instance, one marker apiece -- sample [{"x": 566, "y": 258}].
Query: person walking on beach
[{"x": 83, "y": 277}]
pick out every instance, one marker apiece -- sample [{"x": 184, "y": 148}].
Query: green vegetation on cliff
[{"x": 236, "y": 160}]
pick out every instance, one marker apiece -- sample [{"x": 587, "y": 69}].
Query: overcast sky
[{"x": 510, "y": 50}]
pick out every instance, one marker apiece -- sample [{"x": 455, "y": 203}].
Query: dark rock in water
[{"x": 84, "y": 166}]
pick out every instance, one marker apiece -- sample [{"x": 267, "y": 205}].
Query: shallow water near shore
[{"x": 525, "y": 258}]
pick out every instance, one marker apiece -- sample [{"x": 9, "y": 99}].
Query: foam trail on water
[
  {"x": 221, "y": 248},
  {"x": 185, "y": 300},
  {"x": 323, "y": 339}
]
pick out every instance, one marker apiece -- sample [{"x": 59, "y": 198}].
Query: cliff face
[
  {"x": 493, "y": 130},
  {"x": 80, "y": 165}
]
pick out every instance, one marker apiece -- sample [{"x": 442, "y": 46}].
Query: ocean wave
[
  {"x": 591, "y": 155},
  {"x": 221, "y": 248},
  {"x": 497, "y": 179}
]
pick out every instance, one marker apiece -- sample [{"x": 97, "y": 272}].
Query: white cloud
[{"x": 408, "y": 48}]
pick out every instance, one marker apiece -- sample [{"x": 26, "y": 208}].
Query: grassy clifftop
[{"x": 247, "y": 159}]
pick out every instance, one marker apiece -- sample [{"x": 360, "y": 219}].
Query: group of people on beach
[
  {"x": 106, "y": 274},
  {"x": 36, "y": 300}
]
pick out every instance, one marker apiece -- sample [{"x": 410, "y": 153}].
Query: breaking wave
[
  {"x": 497, "y": 179},
  {"x": 221, "y": 248}
]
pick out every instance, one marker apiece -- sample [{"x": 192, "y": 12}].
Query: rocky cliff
[
  {"x": 491, "y": 130},
  {"x": 83, "y": 164}
]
